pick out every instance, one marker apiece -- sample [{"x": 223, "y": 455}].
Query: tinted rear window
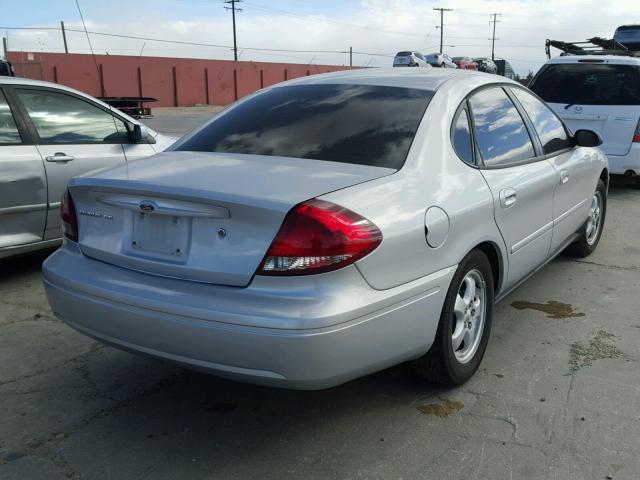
[
  {"x": 589, "y": 84},
  {"x": 361, "y": 124},
  {"x": 403, "y": 54}
]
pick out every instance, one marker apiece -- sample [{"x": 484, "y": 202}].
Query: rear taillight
[
  {"x": 318, "y": 236},
  {"x": 68, "y": 216},
  {"x": 636, "y": 135}
]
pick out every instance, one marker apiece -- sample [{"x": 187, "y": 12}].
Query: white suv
[{"x": 599, "y": 93}]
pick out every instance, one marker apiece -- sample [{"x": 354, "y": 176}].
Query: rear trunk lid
[
  {"x": 616, "y": 124},
  {"x": 204, "y": 217}
]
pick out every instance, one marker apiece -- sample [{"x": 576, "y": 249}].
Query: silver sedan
[{"x": 331, "y": 226}]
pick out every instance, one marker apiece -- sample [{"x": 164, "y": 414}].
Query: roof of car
[
  {"x": 36, "y": 83},
  {"x": 591, "y": 59},
  {"x": 420, "y": 78}
]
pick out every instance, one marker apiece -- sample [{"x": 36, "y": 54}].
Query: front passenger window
[
  {"x": 501, "y": 134},
  {"x": 61, "y": 118},
  {"x": 549, "y": 128}
]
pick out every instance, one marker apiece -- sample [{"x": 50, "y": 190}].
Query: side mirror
[
  {"x": 140, "y": 133},
  {"x": 587, "y": 138}
]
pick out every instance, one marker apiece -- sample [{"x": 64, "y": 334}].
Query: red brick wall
[{"x": 173, "y": 81}]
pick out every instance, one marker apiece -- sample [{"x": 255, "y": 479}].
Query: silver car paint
[
  {"x": 306, "y": 332},
  {"x": 30, "y": 220}
]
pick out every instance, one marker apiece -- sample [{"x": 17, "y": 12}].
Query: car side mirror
[
  {"x": 587, "y": 138},
  {"x": 140, "y": 133}
]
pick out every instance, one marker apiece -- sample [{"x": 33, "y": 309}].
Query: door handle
[
  {"x": 564, "y": 177},
  {"x": 59, "y": 157},
  {"x": 508, "y": 197}
]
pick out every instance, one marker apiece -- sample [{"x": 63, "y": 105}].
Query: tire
[
  {"x": 442, "y": 364},
  {"x": 588, "y": 241}
]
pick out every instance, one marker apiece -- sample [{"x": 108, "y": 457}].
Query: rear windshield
[
  {"x": 631, "y": 34},
  {"x": 361, "y": 124},
  {"x": 589, "y": 84},
  {"x": 403, "y": 54}
]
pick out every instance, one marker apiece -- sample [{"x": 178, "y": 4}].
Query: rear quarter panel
[{"x": 433, "y": 175}]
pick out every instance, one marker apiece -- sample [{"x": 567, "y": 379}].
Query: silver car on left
[{"x": 50, "y": 133}]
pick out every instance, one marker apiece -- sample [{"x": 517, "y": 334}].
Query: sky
[{"x": 316, "y": 31}]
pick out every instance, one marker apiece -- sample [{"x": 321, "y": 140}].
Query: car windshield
[
  {"x": 403, "y": 54},
  {"x": 589, "y": 84},
  {"x": 360, "y": 124}
]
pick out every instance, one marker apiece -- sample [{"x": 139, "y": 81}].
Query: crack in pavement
[
  {"x": 42, "y": 446},
  {"x": 97, "y": 347},
  {"x": 632, "y": 268}
]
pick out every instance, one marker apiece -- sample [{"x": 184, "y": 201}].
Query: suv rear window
[
  {"x": 403, "y": 54},
  {"x": 360, "y": 124},
  {"x": 589, "y": 84}
]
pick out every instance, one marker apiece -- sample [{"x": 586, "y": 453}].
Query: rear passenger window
[
  {"x": 8, "y": 131},
  {"x": 501, "y": 135},
  {"x": 548, "y": 127},
  {"x": 462, "y": 143}
]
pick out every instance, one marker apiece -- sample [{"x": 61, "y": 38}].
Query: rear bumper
[
  {"x": 295, "y": 342},
  {"x": 621, "y": 164}
]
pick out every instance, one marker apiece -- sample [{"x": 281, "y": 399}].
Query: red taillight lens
[
  {"x": 636, "y": 135},
  {"x": 318, "y": 236},
  {"x": 68, "y": 216}
]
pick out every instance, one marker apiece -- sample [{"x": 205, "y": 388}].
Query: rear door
[
  {"x": 23, "y": 185},
  {"x": 594, "y": 95},
  {"x": 576, "y": 168},
  {"x": 73, "y": 136},
  {"x": 522, "y": 185}
]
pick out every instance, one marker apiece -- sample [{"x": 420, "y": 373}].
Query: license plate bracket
[{"x": 161, "y": 235}]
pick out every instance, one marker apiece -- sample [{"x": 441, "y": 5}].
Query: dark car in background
[
  {"x": 628, "y": 36},
  {"x": 6, "y": 70},
  {"x": 505, "y": 69},
  {"x": 486, "y": 65},
  {"x": 465, "y": 63}
]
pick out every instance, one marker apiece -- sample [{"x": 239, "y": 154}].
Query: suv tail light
[
  {"x": 68, "y": 216},
  {"x": 318, "y": 236},
  {"x": 636, "y": 135}
]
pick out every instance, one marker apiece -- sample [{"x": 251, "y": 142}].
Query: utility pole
[
  {"x": 442, "y": 10},
  {"x": 5, "y": 48},
  {"x": 64, "y": 37},
  {"x": 351, "y": 56},
  {"x": 493, "y": 37},
  {"x": 233, "y": 15}
]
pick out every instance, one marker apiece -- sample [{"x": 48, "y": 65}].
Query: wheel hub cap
[{"x": 469, "y": 316}]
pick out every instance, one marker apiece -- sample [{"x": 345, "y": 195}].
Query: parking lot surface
[{"x": 557, "y": 395}]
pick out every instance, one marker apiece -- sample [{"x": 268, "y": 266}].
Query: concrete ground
[
  {"x": 179, "y": 120},
  {"x": 556, "y": 397}
]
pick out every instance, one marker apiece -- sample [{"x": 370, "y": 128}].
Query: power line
[
  {"x": 493, "y": 38},
  {"x": 335, "y": 22},
  {"x": 210, "y": 45},
  {"x": 442, "y": 10}
]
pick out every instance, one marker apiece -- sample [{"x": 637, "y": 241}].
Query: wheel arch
[
  {"x": 604, "y": 176},
  {"x": 496, "y": 260}
]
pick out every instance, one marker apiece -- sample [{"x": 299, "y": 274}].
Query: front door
[
  {"x": 23, "y": 185},
  {"x": 575, "y": 168},
  {"x": 74, "y": 137}
]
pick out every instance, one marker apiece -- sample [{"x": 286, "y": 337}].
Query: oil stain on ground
[
  {"x": 443, "y": 409},
  {"x": 585, "y": 353},
  {"x": 552, "y": 308}
]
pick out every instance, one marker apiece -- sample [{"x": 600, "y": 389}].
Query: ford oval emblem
[{"x": 146, "y": 207}]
